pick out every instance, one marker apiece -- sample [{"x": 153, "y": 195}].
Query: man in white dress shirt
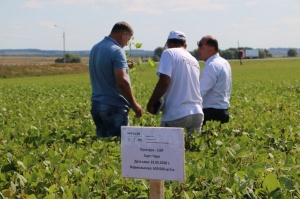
[{"x": 215, "y": 81}]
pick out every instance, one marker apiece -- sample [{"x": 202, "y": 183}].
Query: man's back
[
  {"x": 183, "y": 95},
  {"x": 216, "y": 83},
  {"x": 106, "y": 56}
]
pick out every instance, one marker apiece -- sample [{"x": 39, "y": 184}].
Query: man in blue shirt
[
  {"x": 215, "y": 81},
  {"x": 112, "y": 96}
]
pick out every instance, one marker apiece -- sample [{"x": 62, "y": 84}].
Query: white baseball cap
[{"x": 177, "y": 35}]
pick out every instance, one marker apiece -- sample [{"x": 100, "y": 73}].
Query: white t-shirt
[{"x": 183, "y": 96}]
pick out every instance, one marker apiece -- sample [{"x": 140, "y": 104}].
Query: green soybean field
[{"x": 49, "y": 149}]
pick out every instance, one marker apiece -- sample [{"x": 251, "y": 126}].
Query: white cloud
[
  {"x": 138, "y": 6},
  {"x": 235, "y": 26},
  {"x": 47, "y": 24},
  {"x": 74, "y": 2},
  {"x": 160, "y": 7},
  {"x": 33, "y": 4},
  {"x": 195, "y": 5},
  {"x": 16, "y": 26},
  {"x": 246, "y": 24},
  {"x": 39, "y": 4},
  {"x": 290, "y": 20},
  {"x": 251, "y": 3}
]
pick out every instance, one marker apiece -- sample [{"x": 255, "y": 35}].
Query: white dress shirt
[{"x": 216, "y": 83}]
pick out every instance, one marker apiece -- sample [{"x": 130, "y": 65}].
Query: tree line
[{"x": 231, "y": 53}]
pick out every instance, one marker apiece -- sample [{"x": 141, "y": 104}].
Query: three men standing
[{"x": 178, "y": 84}]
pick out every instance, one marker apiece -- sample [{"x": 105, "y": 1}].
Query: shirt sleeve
[
  {"x": 119, "y": 59},
  {"x": 165, "y": 64}
]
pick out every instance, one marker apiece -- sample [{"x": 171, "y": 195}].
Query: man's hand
[
  {"x": 125, "y": 90},
  {"x": 150, "y": 108},
  {"x": 159, "y": 90},
  {"x": 137, "y": 110},
  {"x": 130, "y": 64}
]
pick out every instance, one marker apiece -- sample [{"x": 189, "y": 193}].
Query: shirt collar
[
  {"x": 112, "y": 40},
  {"x": 212, "y": 57}
]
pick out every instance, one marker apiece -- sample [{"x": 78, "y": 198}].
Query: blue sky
[{"x": 252, "y": 23}]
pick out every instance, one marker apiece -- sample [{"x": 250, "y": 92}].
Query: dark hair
[
  {"x": 177, "y": 42},
  {"x": 213, "y": 42},
  {"x": 122, "y": 26}
]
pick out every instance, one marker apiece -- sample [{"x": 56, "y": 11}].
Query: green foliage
[
  {"x": 232, "y": 53},
  {"x": 292, "y": 52},
  {"x": 267, "y": 53},
  {"x": 70, "y": 58},
  {"x": 229, "y": 54},
  {"x": 262, "y": 54},
  {"x": 195, "y": 54},
  {"x": 49, "y": 147},
  {"x": 157, "y": 53},
  {"x": 136, "y": 45},
  {"x": 151, "y": 62}
]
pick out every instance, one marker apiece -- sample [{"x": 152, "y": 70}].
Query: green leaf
[
  {"x": 67, "y": 194},
  {"x": 84, "y": 190},
  {"x": 288, "y": 183},
  {"x": 90, "y": 175},
  {"x": 151, "y": 62},
  {"x": 49, "y": 197},
  {"x": 270, "y": 182},
  {"x": 79, "y": 154},
  {"x": 7, "y": 193},
  {"x": 63, "y": 178},
  {"x": 138, "y": 45},
  {"x": 52, "y": 189},
  {"x": 186, "y": 195},
  {"x": 32, "y": 196},
  {"x": 139, "y": 61}
]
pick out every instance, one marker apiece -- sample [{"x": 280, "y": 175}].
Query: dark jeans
[
  {"x": 221, "y": 115},
  {"x": 109, "y": 119}
]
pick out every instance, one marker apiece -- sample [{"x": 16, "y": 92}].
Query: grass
[
  {"x": 271, "y": 69},
  {"x": 11, "y": 67}
]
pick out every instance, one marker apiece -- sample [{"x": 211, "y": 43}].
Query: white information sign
[{"x": 153, "y": 153}]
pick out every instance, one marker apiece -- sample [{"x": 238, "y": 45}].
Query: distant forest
[
  {"x": 59, "y": 53},
  {"x": 85, "y": 53}
]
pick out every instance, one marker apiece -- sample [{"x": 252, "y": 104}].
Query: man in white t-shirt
[{"x": 178, "y": 84}]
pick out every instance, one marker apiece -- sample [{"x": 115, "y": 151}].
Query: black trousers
[{"x": 221, "y": 115}]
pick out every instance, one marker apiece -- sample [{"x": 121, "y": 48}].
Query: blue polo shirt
[{"x": 106, "y": 56}]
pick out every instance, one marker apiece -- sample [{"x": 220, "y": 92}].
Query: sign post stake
[{"x": 157, "y": 189}]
